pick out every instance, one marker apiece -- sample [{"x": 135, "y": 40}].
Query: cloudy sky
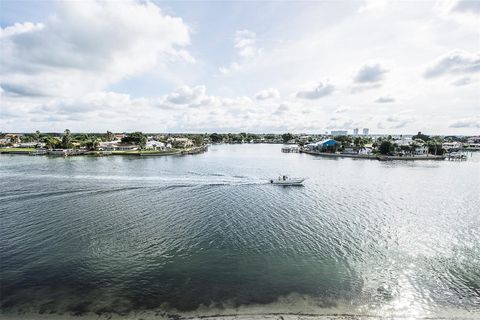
[{"x": 157, "y": 66}]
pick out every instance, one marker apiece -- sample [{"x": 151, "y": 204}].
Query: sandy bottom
[
  {"x": 291, "y": 307},
  {"x": 150, "y": 316}
]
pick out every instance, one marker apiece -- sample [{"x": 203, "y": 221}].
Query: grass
[
  {"x": 6, "y": 150},
  {"x": 137, "y": 152}
]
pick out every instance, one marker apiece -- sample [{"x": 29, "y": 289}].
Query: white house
[
  {"x": 421, "y": 150},
  {"x": 155, "y": 145},
  {"x": 31, "y": 145},
  {"x": 181, "y": 142},
  {"x": 452, "y": 145}
]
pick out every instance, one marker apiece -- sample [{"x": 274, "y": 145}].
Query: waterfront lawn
[
  {"x": 7, "y": 150},
  {"x": 137, "y": 152}
]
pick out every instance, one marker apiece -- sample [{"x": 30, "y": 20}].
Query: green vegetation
[
  {"x": 139, "y": 152},
  {"x": 67, "y": 140},
  {"x": 8, "y": 150},
  {"x": 216, "y": 138},
  {"x": 136, "y": 138},
  {"x": 287, "y": 137},
  {"x": 386, "y": 147}
]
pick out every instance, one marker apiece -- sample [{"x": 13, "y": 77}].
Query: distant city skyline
[{"x": 260, "y": 67}]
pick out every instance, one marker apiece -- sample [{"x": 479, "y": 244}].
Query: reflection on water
[{"x": 207, "y": 234}]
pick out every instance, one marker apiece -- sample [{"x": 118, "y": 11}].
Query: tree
[
  {"x": 37, "y": 135},
  {"x": 435, "y": 147},
  {"x": 421, "y": 136},
  {"x": 216, "y": 138},
  {"x": 385, "y": 147},
  {"x": 198, "y": 140},
  {"x": 358, "y": 142},
  {"x": 109, "y": 136},
  {"x": 137, "y": 138},
  {"x": 51, "y": 142},
  {"x": 413, "y": 148},
  {"x": 252, "y": 136},
  {"x": 66, "y": 139},
  {"x": 405, "y": 148},
  {"x": 92, "y": 144},
  {"x": 287, "y": 137},
  {"x": 269, "y": 136}
]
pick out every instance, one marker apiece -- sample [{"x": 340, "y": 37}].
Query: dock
[{"x": 292, "y": 149}]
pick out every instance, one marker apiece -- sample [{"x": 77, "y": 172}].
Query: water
[{"x": 206, "y": 234}]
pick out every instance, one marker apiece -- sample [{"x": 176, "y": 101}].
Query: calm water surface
[{"x": 126, "y": 234}]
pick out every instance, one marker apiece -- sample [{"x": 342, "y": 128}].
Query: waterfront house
[
  {"x": 365, "y": 150},
  {"x": 181, "y": 142},
  {"x": 421, "y": 150},
  {"x": 12, "y": 138},
  {"x": 349, "y": 150},
  {"x": 322, "y": 145},
  {"x": 474, "y": 140},
  {"x": 452, "y": 146},
  {"x": 31, "y": 145},
  {"x": 116, "y": 146},
  {"x": 403, "y": 141},
  {"x": 155, "y": 145},
  {"x": 119, "y": 136},
  {"x": 126, "y": 147}
]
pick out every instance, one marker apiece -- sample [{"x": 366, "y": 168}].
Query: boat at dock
[{"x": 287, "y": 181}]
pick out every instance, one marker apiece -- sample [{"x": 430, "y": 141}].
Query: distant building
[
  {"x": 325, "y": 144},
  {"x": 404, "y": 141},
  {"x": 155, "y": 145},
  {"x": 365, "y": 131},
  {"x": 181, "y": 142},
  {"x": 120, "y": 136},
  {"x": 339, "y": 132},
  {"x": 31, "y": 145},
  {"x": 474, "y": 139},
  {"x": 452, "y": 145},
  {"x": 421, "y": 150},
  {"x": 355, "y": 132}
]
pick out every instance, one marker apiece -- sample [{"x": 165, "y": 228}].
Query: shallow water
[{"x": 128, "y": 234}]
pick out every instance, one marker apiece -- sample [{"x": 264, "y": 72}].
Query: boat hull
[{"x": 292, "y": 182}]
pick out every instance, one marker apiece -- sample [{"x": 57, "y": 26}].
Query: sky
[{"x": 210, "y": 66}]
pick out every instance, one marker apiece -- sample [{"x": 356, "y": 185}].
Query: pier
[{"x": 292, "y": 149}]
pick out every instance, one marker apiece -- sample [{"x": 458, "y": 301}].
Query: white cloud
[
  {"x": 462, "y": 82},
  {"x": 399, "y": 121},
  {"x": 370, "y": 73},
  {"x": 282, "y": 109},
  {"x": 19, "y": 28},
  {"x": 473, "y": 122},
  {"x": 470, "y": 6},
  {"x": 64, "y": 71},
  {"x": 267, "y": 94},
  {"x": 319, "y": 91},
  {"x": 342, "y": 110},
  {"x": 385, "y": 99},
  {"x": 87, "y": 46},
  {"x": 454, "y": 62},
  {"x": 197, "y": 97},
  {"x": 245, "y": 43},
  {"x": 246, "y": 49}
]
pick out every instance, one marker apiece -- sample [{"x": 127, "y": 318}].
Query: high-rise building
[
  {"x": 365, "y": 131},
  {"x": 355, "y": 132}
]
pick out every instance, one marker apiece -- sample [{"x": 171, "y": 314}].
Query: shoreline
[
  {"x": 372, "y": 157},
  {"x": 32, "y": 152},
  {"x": 164, "y": 315},
  {"x": 293, "y": 306}
]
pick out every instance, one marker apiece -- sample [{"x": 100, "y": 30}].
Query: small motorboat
[{"x": 287, "y": 181}]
